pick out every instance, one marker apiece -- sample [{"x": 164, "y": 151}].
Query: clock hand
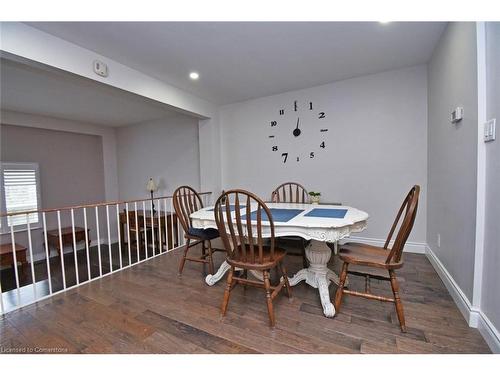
[{"x": 296, "y": 131}]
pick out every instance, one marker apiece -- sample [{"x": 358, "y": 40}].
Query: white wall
[
  {"x": 490, "y": 301},
  {"x": 376, "y": 144},
  {"x": 452, "y": 153},
  {"x": 107, "y": 134},
  {"x": 166, "y": 150}
]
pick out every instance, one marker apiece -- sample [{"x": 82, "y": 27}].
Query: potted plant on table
[{"x": 314, "y": 197}]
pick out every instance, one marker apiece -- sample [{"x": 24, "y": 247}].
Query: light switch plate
[{"x": 490, "y": 130}]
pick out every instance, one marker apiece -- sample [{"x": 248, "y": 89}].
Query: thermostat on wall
[
  {"x": 457, "y": 115},
  {"x": 100, "y": 68}
]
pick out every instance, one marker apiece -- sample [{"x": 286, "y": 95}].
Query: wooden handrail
[{"x": 3, "y": 214}]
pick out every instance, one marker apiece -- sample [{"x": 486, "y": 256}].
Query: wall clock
[{"x": 298, "y": 132}]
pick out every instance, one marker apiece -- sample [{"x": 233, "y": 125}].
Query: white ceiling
[
  {"x": 239, "y": 61},
  {"x": 48, "y": 92}
]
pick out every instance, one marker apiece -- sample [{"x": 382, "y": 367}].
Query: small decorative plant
[{"x": 314, "y": 196}]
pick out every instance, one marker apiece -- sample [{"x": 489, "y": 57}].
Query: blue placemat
[
  {"x": 332, "y": 213},
  {"x": 279, "y": 214},
  {"x": 231, "y": 207}
]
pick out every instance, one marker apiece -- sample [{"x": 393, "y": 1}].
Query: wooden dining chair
[
  {"x": 242, "y": 236},
  {"x": 292, "y": 192},
  {"x": 186, "y": 201},
  {"x": 369, "y": 256}
]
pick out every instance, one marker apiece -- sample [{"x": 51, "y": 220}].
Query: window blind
[{"x": 20, "y": 194}]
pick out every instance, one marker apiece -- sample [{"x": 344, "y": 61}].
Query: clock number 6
[{"x": 285, "y": 156}]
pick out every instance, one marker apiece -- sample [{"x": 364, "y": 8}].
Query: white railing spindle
[
  {"x": 14, "y": 254},
  {"x": 128, "y": 235},
  {"x": 85, "y": 226},
  {"x": 109, "y": 240},
  {"x": 47, "y": 252},
  {"x": 61, "y": 247},
  {"x": 32, "y": 261},
  {"x": 152, "y": 228},
  {"x": 145, "y": 228},
  {"x": 119, "y": 235},
  {"x": 2, "y": 308},
  {"x": 172, "y": 234},
  {"x": 74, "y": 246},
  {"x": 166, "y": 224},
  {"x": 136, "y": 233},
  {"x": 98, "y": 239}
]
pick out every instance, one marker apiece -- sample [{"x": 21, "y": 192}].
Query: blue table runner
[
  {"x": 281, "y": 215},
  {"x": 331, "y": 213}
]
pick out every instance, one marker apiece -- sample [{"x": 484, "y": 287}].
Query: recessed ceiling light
[
  {"x": 384, "y": 22},
  {"x": 194, "y": 75}
]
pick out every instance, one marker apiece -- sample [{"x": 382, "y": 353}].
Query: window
[{"x": 20, "y": 184}]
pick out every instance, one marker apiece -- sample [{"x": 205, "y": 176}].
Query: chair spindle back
[
  {"x": 290, "y": 192},
  {"x": 186, "y": 201},
  {"x": 242, "y": 241},
  {"x": 409, "y": 206}
]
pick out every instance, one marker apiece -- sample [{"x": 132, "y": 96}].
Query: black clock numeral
[
  {"x": 311, "y": 155},
  {"x": 321, "y": 115},
  {"x": 323, "y": 130},
  {"x": 271, "y": 136},
  {"x": 284, "y": 156},
  {"x": 310, "y": 106},
  {"x": 282, "y": 112},
  {"x": 295, "y": 106},
  {"x": 275, "y": 148},
  {"x": 322, "y": 145},
  {"x": 298, "y": 158},
  {"x": 274, "y": 123}
]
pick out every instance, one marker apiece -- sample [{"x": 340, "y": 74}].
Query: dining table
[{"x": 319, "y": 224}]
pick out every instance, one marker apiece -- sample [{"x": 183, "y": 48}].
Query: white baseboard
[
  {"x": 455, "y": 291},
  {"x": 475, "y": 317},
  {"x": 410, "y": 247},
  {"x": 489, "y": 333}
]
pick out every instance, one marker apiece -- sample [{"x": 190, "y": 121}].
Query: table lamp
[{"x": 152, "y": 187}]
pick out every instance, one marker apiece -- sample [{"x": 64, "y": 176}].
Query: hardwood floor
[{"x": 148, "y": 309}]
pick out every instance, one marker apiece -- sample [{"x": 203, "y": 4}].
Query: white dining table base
[{"x": 318, "y": 275}]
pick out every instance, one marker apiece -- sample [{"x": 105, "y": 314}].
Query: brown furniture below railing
[
  {"x": 151, "y": 222},
  {"x": 67, "y": 237},
  {"x": 7, "y": 256}
]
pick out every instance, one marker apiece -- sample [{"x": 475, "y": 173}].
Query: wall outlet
[{"x": 439, "y": 240}]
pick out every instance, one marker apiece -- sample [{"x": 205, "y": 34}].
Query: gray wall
[
  {"x": 376, "y": 144},
  {"x": 166, "y": 150},
  {"x": 71, "y": 172},
  {"x": 452, "y": 152},
  {"x": 490, "y": 300}
]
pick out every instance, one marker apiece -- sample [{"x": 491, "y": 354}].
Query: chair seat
[
  {"x": 203, "y": 234},
  {"x": 366, "y": 255},
  {"x": 267, "y": 263}
]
